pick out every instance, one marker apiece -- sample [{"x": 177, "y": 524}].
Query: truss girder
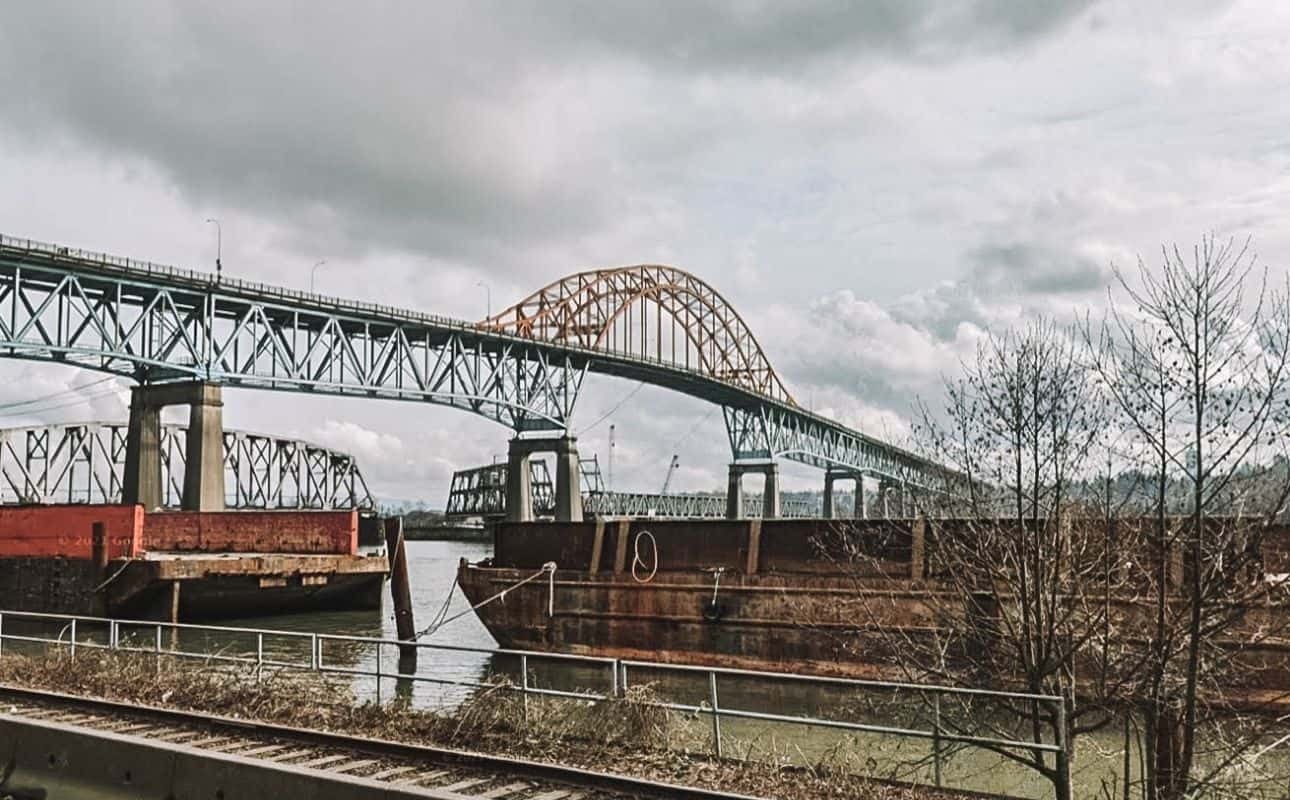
[
  {"x": 522, "y": 367},
  {"x": 156, "y": 323},
  {"x": 770, "y": 432},
  {"x": 84, "y": 463},
  {"x": 481, "y": 491}
]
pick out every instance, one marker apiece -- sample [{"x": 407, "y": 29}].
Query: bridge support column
[
  {"x": 204, "y": 450},
  {"x": 831, "y": 476},
  {"x": 519, "y": 484},
  {"x": 568, "y": 479},
  {"x": 141, "y": 482},
  {"x": 568, "y": 492},
  {"x": 861, "y": 510},
  {"x": 891, "y": 496},
  {"x": 204, "y": 457},
  {"x": 770, "y": 506},
  {"x": 735, "y": 493},
  {"x": 770, "y": 495}
]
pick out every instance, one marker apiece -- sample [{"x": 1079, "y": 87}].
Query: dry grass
[{"x": 628, "y": 735}]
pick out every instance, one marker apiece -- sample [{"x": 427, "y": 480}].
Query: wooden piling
[{"x": 400, "y": 589}]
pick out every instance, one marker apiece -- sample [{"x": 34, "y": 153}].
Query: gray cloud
[
  {"x": 1036, "y": 268},
  {"x": 466, "y": 131}
]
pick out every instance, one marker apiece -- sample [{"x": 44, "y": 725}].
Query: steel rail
[{"x": 501, "y": 766}]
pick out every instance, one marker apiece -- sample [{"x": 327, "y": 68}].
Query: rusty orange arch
[{"x": 601, "y": 309}]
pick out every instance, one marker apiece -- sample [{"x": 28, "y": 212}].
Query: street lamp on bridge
[
  {"x": 488, "y": 298},
  {"x": 219, "y": 246},
  {"x": 313, "y": 274}
]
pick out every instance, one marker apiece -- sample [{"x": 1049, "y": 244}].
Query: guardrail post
[
  {"x": 1, "y": 634},
  {"x": 114, "y": 635},
  {"x": 378, "y": 673},
  {"x": 936, "y": 741},
  {"x": 524, "y": 687},
  {"x": 73, "y": 638},
  {"x": 314, "y": 654},
  {"x": 259, "y": 656},
  {"x": 716, "y": 713},
  {"x": 613, "y": 678},
  {"x": 156, "y": 648}
]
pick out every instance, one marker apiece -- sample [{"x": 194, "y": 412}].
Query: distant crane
[{"x": 671, "y": 470}]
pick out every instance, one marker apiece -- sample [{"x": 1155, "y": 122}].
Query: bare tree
[
  {"x": 1197, "y": 366},
  {"x": 1104, "y": 537},
  {"x": 1016, "y": 588}
]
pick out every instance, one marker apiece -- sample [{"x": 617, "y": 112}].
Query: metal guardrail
[{"x": 618, "y": 673}]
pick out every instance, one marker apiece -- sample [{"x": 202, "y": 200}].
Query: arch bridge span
[{"x": 522, "y": 367}]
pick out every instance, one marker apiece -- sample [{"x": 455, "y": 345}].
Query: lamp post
[
  {"x": 219, "y": 246},
  {"x": 313, "y": 274},
  {"x": 488, "y": 296}
]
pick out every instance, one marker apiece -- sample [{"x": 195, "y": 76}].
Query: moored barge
[
  {"x": 778, "y": 595},
  {"x": 120, "y": 561}
]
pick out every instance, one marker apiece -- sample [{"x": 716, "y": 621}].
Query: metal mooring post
[{"x": 716, "y": 713}]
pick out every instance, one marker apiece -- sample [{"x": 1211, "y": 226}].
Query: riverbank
[{"x": 627, "y": 735}]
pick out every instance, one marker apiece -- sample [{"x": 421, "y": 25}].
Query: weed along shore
[{"x": 627, "y": 735}]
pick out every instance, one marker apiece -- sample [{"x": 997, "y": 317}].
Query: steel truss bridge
[
  {"x": 84, "y": 463},
  {"x": 522, "y": 367},
  {"x": 481, "y": 492}
]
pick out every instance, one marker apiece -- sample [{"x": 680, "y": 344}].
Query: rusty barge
[
  {"x": 120, "y": 561},
  {"x": 773, "y": 595}
]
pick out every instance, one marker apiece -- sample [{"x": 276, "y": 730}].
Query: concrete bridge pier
[
  {"x": 830, "y": 503},
  {"x": 770, "y": 507},
  {"x": 892, "y": 498},
  {"x": 519, "y": 484},
  {"x": 204, "y": 449}
]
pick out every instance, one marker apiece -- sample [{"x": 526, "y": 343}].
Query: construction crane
[{"x": 671, "y": 470}]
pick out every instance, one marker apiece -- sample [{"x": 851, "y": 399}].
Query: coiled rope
[{"x": 639, "y": 561}]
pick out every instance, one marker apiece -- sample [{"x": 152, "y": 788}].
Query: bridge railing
[{"x": 602, "y": 679}]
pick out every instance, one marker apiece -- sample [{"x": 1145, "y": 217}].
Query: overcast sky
[{"x": 873, "y": 185}]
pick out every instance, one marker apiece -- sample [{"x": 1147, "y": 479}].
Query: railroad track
[{"x": 408, "y": 770}]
